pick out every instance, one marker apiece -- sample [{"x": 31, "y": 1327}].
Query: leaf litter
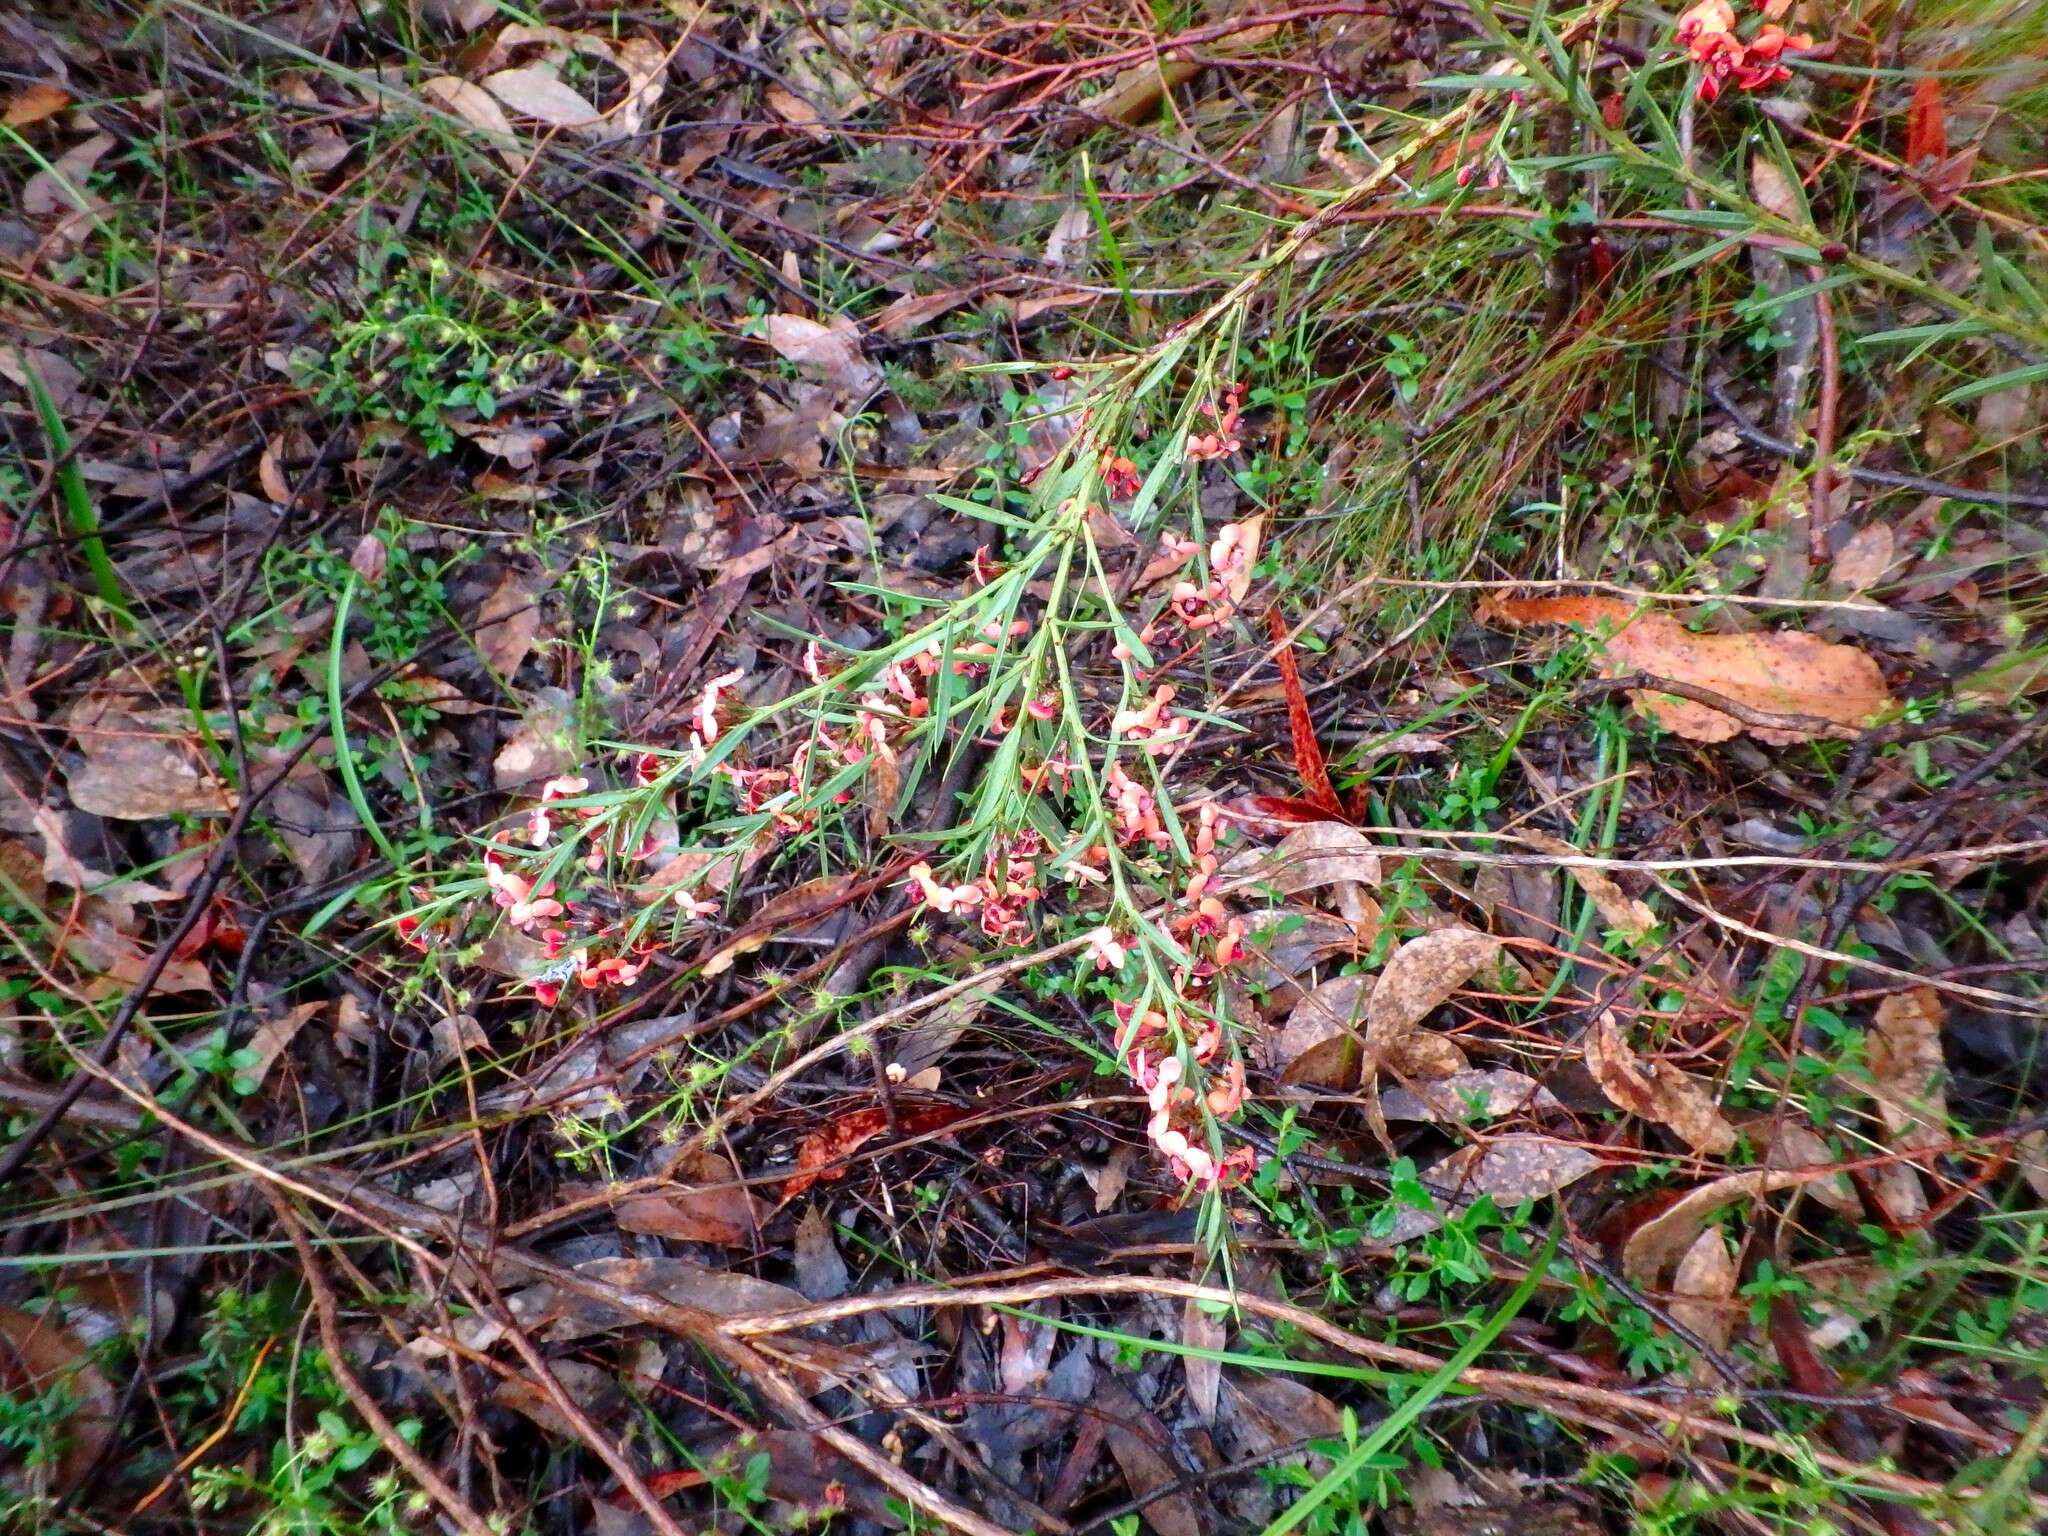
[{"x": 722, "y": 457}]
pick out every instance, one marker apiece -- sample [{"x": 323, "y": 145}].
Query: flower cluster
[
  {"x": 1199, "y": 607},
  {"x": 1008, "y": 883},
  {"x": 1224, "y": 441},
  {"x": 1211, "y": 935},
  {"x": 1707, "y": 32},
  {"x": 1172, "y": 1102}
]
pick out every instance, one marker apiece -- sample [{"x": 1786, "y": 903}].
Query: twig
[
  {"x": 1762, "y": 719},
  {"x": 1746, "y": 429},
  {"x": 1823, "y": 504},
  {"x": 417, "y": 1466},
  {"x": 1567, "y": 1399}
]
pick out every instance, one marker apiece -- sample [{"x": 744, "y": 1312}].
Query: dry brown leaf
[
  {"x": 324, "y": 150},
  {"x": 1262, "y": 1411},
  {"x": 543, "y": 747},
  {"x": 914, "y": 310},
  {"x": 645, "y": 64},
  {"x": 61, "y": 184},
  {"x": 1321, "y": 853},
  {"x": 1321, "y": 1043},
  {"x": 42, "y": 1361},
  {"x": 1906, "y": 1068},
  {"x": 1238, "y": 584},
  {"x": 1424, "y": 1053},
  {"x": 33, "y": 103},
  {"x": 1773, "y": 188},
  {"x": 1655, "y": 1090},
  {"x": 141, "y": 765},
  {"x": 1622, "y": 912},
  {"x": 798, "y": 905},
  {"x": 1908, "y": 1078},
  {"x": 1658, "y": 1244},
  {"x": 1788, "y": 1144},
  {"x": 1708, "y": 1272},
  {"x": 821, "y": 1273},
  {"x": 1511, "y": 1169},
  {"x": 1136, "y": 93},
  {"x": 831, "y": 351},
  {"x": 1780, "y": 672},
  {"x": 475, "y": 106},
  {"x": 1465, "y": 1097},
  {"x": 1284, "y": 942},
  {"x": 708, "y": 1205},
  {"x": 1138, "y": 1442},
  {"x": 536, "y": 93},
  {"x": 508, "y": 624},
  {"x": 1421, "y": 975},
  {"x": 61, "y": 381},
  {"x": 455, "y": 1035},
  {"x": 723, "y": 1291},
  {"x": 797, "y": 112},
  {"x": 590, "y": 1387},
  {"x": 273, "y": 1037},
  {"x": 1199, "y": 1330},
  {"x": 1863, "y": 560},
  {"x": 368, "y": 558}
]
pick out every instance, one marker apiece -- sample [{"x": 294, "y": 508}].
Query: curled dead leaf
[
  {"x": 1510, "y": 1169},
  {"x": 39, "y": 1360},
  {"x": 1787, "y": 1144},
  {"x": 1655, "y": 1248},
  {"x": 1655, "y": 1090},
  {"x": 831, "y": 351},
  {"x": 1706, "y": 1272},
  {"x": 707, "y": 1204},
  {"x": 1777, "y": 672},
  {"x": 1321, "y": 1043},
  {"x": 1625, "y": 914}
]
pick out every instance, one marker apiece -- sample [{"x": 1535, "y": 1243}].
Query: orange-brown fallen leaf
[
  {"x": 844, "y": 1136},
  {"x": 1655, "y": 1090},
  {"x": 1816, "y": 687}
]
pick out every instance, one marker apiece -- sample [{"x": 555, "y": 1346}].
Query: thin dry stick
[
  {"x": 726, "y": 1118},
  {"x": 2006, "y": 1001},
  {"x": 401, "y": 1218},
  {"x": 621, "y": 1465},
  {"x": 417, "y": 1466},
  {"x": 1823, "y": 504},
  {"x": 1564, "y": 1398}
]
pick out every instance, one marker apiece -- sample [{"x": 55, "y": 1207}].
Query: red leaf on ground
[
  {"x": 1272, "y": 815},
  {"x": 834, "y": 1142},
  {"x": 1308, "y": 757},
  {"x": 1926, "y": 124}
]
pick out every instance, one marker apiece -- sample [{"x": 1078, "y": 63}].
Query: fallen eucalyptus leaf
[
  {"x": 1655, "y": 1090},
  {"x": 1782, "y": 672}
]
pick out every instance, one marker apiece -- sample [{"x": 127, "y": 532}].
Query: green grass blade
[
  {"x": 1397, "y": 1423},
  {"x": 79, "y": 512},
  {"x": 344, "y": 758}
]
